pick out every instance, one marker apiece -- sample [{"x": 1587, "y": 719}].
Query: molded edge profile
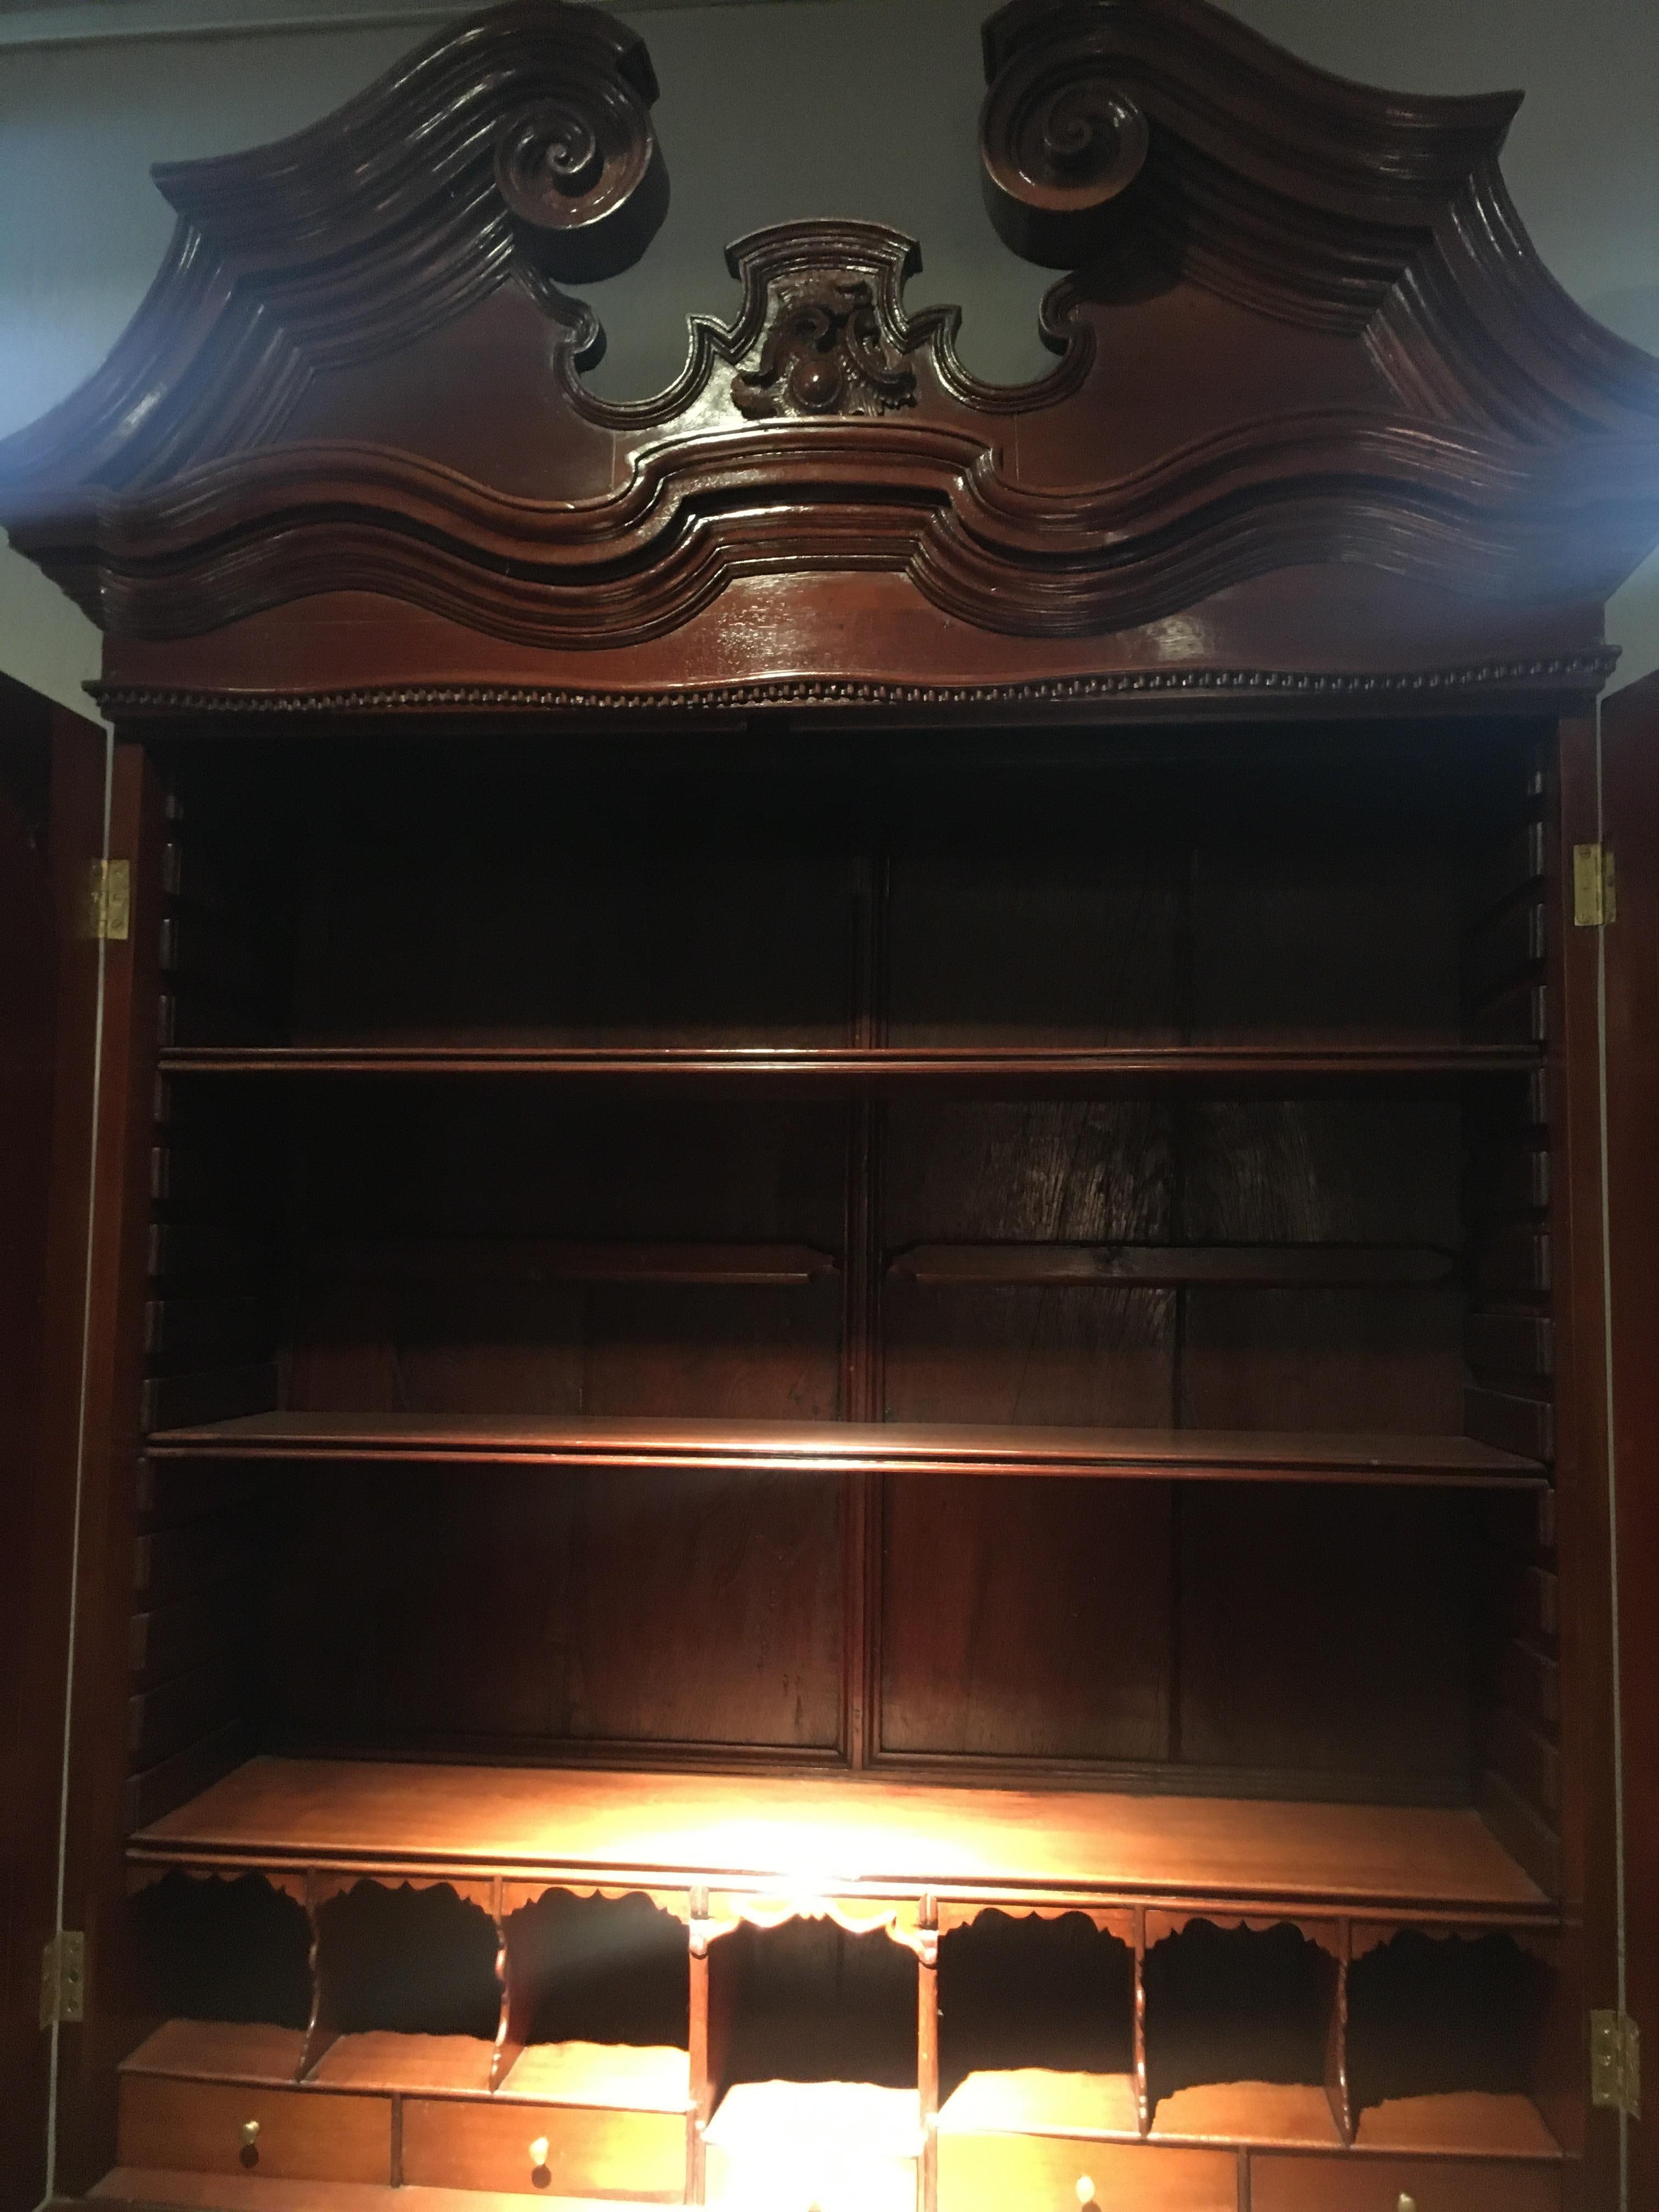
[
  {"x": 1523, "y": 463},
  {"x": 1325, "y": 203},
  {"x": 1542, "y": 681},
  {"x": 519, "y": 138},
  {"x": 780, "y": 265},
  {"x": 237, "y": 537}
]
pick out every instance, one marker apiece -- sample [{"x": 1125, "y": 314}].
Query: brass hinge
[
  {"x": 1616, "y": 2062},
  {"x": 108, "y": 910},
  {"x": 63, "y": 1980},
  {"x": 1595, "y": 894}
]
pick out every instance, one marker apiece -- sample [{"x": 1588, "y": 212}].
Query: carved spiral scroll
[
  {"x": 1057, "y": 148},
  {"x": 582, "y": 171}
]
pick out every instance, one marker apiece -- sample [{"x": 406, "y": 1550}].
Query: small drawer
[
  {"x": 567, "y": 2150},
  {"x": 1059, "y": 2173},
  {"x": 285, "y": 2134},
  {"x": 1359, "y": 2183}
]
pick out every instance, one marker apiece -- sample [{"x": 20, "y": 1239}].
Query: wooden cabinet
[{"x": 838, "y": 1406}]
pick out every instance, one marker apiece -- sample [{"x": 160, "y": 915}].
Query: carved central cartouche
[{"x": 824, "y": 353}]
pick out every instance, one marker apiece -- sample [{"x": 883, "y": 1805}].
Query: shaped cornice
[
  {"x": 822, "y": 332},
  {"x": 1108, "y": 124},
  {"x": 1435, "y": 408},
  {"x": 519, "y": 141}
]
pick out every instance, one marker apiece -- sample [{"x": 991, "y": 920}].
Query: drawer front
[
  {"x": 1045, "y": 2173},
  {"x": 459, "y": 2144},
  {"x": 1376, "y": 2185},
  {"x": 305, "y": 2134}
]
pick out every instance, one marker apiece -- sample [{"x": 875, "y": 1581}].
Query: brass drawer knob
[
  {"x": 538, "y": 2153},
  {"x": 249, "y": 2133},
  {"x": 1086, "y": 2189},
  {"x": 1407, "y": 2203}
]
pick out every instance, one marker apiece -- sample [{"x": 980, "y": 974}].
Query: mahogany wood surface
[
  {"x": 825, "y": 424},
  {"x": 1469, "y": 2120},
  {"x": 983, "y": 1068},
  {"x": 1576, "y": 1549},
  {"x": 883, "y": 1447},
  {"x": 1282, "y": 2183},
  {"x": 1630, "y": 733},
  {"x": 50, "y": 830},
  {"x": 301, "y": 2137},
  {"x": 108, "y": 1430},
  {"x": 977, "y": 2173},
  {"x": 1161, "y": 1266},
  {"x": 908, "y": 929},
  {"x": 489, "y": 2147},
  {"x": 765, "y": 1830},
  {"x": 158, "y": 2190},
  {"x": 1036, "y": 2100},
  {"x": 1270, "y": 2112}
]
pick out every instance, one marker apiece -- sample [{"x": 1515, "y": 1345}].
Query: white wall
[{"x": 862, "y": 107}]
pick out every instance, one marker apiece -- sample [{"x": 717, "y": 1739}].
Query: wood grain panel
[
  {"x": 981, "y": 1656},
  {"x": 303, "y": 2135},
  {"x": 992, "y": 940},
  {"x": 277, "y": 1812},
  {"x": 643, "y": 930},
  {"x": 1347, "y": 2184},
  {"x": 1330, "y": 931},
  {"x": 1321, "y": 1630},
  {"x": 455, "y": 2145},
  {"x": 657, "y": 1607},
  {"x": 987, "y": 2173}
]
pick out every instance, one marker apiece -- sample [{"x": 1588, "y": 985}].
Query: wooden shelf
[
  {"x": 1038, "y": 2100},
  {"x": 1281, "y": 2115},
  {"x": 768, "y": 2117},
  {"x": 142, "y": 2189},
  {"x": 1265, "y": 2115},
  {"x": 447, "y": 1260},
  {"x": 1466, "y": 2122},
  {"x": 435, "y": 2065},
  {"x": 853, "y": 1447},
  {"x": 1019, "y": 1067},
  {"x": 221, "y": 2051},
  {"x": 616, "y": 2076},
  {"x": 840, "y": 1835},
  {"x": 1159, "y": 1266},
  {"x": 625, "y": 2077}
]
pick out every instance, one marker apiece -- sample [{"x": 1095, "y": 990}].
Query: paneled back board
[{"x": 847, "y": 1432}]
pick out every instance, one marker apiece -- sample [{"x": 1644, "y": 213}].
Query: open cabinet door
[
  {"x": 51, "y": 833},
  {"x": 1630, "y": 834}
]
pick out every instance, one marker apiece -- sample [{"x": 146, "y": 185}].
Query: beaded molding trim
[{"x": 1587, "y": 670}]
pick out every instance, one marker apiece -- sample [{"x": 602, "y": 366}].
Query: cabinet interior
[{"x": 794, "y": 1264}]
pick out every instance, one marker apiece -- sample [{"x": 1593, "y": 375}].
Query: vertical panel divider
[
  {"x": 862, "y": 1495},
  {"x": 396, "y": 2162},
  {"x": 927, "y": 2052},
  {"x": 323, "y": 2028},
  {"x": 1336, "y": 2038},
  {"x": 706, "y": 2041},
  {"x": 513, "y": 2023},
  {"x": 1143, "y": 2104}
]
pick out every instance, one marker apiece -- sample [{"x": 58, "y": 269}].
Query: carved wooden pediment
[{"x": 1300, "y": 330}]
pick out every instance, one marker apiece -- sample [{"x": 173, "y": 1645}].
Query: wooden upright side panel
[
  {"x": 107, "y": 1432},
  {"x": 1631, "y": 822},
  {"x": 1588, "y": 1880},
  {"x": 51, "y": 787}
]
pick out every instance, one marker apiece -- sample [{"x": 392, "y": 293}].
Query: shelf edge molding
[{"x": 621, "y": 1443}]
